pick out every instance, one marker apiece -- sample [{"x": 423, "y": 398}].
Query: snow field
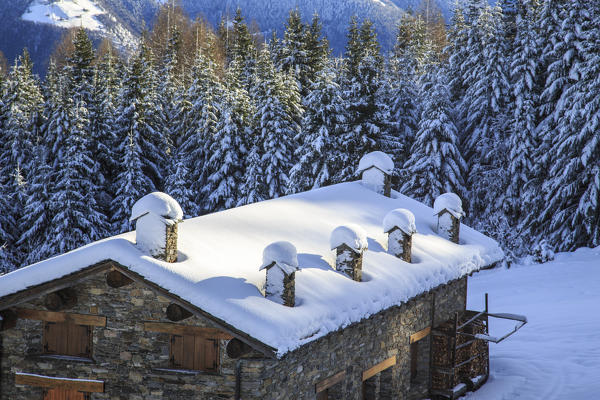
[
  {"x": 557, "y": 354},
  {"x": 65, "y": 13}
]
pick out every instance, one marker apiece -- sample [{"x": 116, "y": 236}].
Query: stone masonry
[
  {"x": 349, "y": 262},
  {"x": 132, "y": 362}
]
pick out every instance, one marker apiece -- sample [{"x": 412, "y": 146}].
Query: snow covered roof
[
  {"x": 402, "y": 219},
  {"x": 450, "y": 202},
  {"x": 157, "y": 203},
  {"x": 282, "y": 254},
  {"x": 377, "y": 159},
  {"x": 219, "y": 254}
]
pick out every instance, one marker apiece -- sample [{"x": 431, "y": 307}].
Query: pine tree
[
  {"x": 571, "y": 196},
  {"x": 201, "y": 127},
  {"x": 8, "y": 258},
  {"x": 523, "y": 133},
  {"x": 275, "y": 126},
  {"x": 35, "y": 221},
  {"x": 483, "y": 112},
  {"x": 436, "y": 165},
  {"x": 23, "y": 104},
  {"x": 138, "y": 151},
  {"x": 228, "y": 154},
  {"x": 368, "y": 114},
  {"x": 319, "y": 158},
  {"x": 76, "y": 217},
  {"x": 102, "y": 127}
]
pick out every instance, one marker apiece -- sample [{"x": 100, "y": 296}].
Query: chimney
[
  {"x": 280, "y": 259},
  {"x": 349, "y": 242},
  {"x": 157, "y": 216},
  {"x": 448, "y": 208},
  {"x": 376, "y": 170},
  {"x": 399, "y": 224}
]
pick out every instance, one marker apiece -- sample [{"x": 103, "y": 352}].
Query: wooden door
[{"x": 64, "y": 394}]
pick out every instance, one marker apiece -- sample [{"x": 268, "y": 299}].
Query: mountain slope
[{"x": 39, "y": 24}]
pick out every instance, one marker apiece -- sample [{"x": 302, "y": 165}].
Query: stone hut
[{"x": 107, "y": 321}]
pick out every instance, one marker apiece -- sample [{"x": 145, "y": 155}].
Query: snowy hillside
[
  {"x": 65, "y": 13},
  {"x": 557, "y": 354},
  {"x": 76, "y": 13}
]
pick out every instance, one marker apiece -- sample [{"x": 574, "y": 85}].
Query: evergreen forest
[{"x": 501, "y": 106}]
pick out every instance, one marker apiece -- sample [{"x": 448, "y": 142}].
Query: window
[
  {"x": 67, "y": 339},
  {"x": 65, "y": 394},
  {"x": 414, "y": 361},
  {"x": 194, "y": 353}
]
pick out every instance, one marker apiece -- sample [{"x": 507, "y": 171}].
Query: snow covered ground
[
  {"x": 557, "y": 354},
  {"x": 65, "y": 13}
]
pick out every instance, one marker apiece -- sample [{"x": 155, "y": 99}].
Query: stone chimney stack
[
  {"x": 376, "y": 171},
  {"x": 280, "y": 259},
  {"x": 399, "y": 224},
  {"x": 349, "y": 242},
  {"x": 157, "y": 216},
  {"x": 448, "y": 208}
]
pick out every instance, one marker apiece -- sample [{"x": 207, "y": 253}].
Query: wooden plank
[
  {"x": 52, "y": 316},
  {"x": 385, "y": 364},
  {"x": 420, "y": 335},
  {"x": 175, "y": 329},
  {"x": 329, "y": 382},
  {"x": 81, "y": 385}
]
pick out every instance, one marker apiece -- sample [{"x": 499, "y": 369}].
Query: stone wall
[
  {"x": 131, "y": 361},
  {"x": 360, "y": 346},
  {"x": 124, "y": 356}
]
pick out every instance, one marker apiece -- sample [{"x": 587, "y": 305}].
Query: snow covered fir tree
[{"x": 501, "y": 107}]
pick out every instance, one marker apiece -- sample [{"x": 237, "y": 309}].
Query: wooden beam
[
  {"x": 420, "y": 335},
  {"x": 329, "y": 382},
  {"x": 81, "y": 385},
  {"x": 51, "y": 316},
  {"x": 385, "y": 364},
  {"x": 174, "y": 329}
]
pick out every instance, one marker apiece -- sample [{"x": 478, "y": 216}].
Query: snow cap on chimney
[
  {"x": 350, "y": 242},
  {"x": 399, "y": 224},
  {"x": 448, "y": 208},
  {"x": 157, "y": 215},
  {"x": 280, "y": 259},
  {"x": 376, "y": 170}
]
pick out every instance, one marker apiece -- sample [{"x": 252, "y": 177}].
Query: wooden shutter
[
  {"x": 209, "y": 356},
  {"x": 63, "y": 338},
  {"x": 64, "y": 394},
  {"x": 176, "y": 355},
  {"x": 194, "y": 353}
]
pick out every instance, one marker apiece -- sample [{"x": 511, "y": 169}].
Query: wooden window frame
[{"x": 322, "y": 387}]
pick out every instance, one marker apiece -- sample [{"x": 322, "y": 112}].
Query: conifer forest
[{"x": 500, "y": 105}]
